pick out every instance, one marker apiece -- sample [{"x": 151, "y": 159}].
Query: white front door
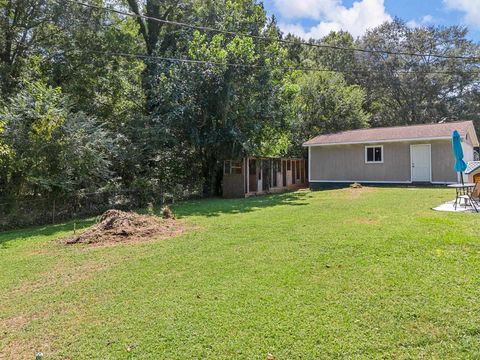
[{"x": 421, "y": 159}]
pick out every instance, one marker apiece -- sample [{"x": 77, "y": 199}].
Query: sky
[{"x": 316, "y": 18}]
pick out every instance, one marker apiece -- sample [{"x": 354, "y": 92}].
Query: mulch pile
[{"x": 117, "y": 226}]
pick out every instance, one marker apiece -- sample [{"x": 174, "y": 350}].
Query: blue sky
[{"x": 316, "y": 18}]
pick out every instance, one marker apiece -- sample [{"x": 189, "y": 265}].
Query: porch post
[
  {"x": 271, "y": 173},
  {"x": 248, "y": 175},
  {"x": 281, "y": 172}
]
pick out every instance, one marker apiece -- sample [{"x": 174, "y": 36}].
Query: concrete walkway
[{"x": 449, "y": 206}]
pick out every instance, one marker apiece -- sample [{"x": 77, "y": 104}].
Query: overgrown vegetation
[
  {"x": 376, "y": 275},
  {"x": 90, "y": 103}
]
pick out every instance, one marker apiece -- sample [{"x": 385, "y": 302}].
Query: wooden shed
[{"x": 254, "y": 175}]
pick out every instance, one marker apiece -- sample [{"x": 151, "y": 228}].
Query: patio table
[{"x": 464, "y": 191}]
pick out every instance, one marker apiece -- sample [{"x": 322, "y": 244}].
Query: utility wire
[
  {"x": 258, "y": 66},
  {"x": 269, "y": 39}
]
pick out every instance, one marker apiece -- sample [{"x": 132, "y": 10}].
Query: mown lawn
[{"x": 334, "y": 274}]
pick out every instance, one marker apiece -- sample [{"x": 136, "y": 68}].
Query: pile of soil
[{"x": 119, "y": 226}]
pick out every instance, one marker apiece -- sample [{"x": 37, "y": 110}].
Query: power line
[
  {"x": 258, "y": 66},
  {"x": 264, "y": 38}
]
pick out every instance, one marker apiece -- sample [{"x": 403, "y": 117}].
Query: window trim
[
  {"x": 232, "y": 167},
  {"x": 373, "y": 147},
  {"x": 225, "y": 162},
  {"x": 238, "y": 166}
]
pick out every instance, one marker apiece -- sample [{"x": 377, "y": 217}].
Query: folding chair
[
  {"x": 468, "y": 196},
  {"x": 475, "y": 195}
]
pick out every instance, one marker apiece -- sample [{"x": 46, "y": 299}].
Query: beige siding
[
  {"x": 443, "y": 162},
  {"x": 472, "y": 138},
  {"x": 347, "y": 163},
  {"x": 234, "y": 184},
  {"x": 468, "y": 151}
]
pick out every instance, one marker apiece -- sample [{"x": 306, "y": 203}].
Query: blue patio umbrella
[{"x": 460, "y": 165}]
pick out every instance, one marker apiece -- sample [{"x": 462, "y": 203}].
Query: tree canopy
[{"x": 93, "y": 98}]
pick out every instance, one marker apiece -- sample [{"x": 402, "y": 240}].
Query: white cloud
[
  {"x": 316, "y": 32},
  {"x": 332, "y": 16},
  {"x": 413, "y": 24},
  {"x": 471, "y": 8},
  {"x": 308, "y": 9},
  {"x": 423, "y": 21},
  {"x": 427, "y": 19}
]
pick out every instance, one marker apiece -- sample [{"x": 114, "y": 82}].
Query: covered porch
[{"x": 256, "y": 175}]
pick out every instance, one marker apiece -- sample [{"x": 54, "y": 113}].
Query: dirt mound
[{"x": 120, "y": 226}]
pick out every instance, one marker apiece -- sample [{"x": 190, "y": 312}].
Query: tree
[
  {"x": 52, "y": 150},
  {"x": 22, "y": 24},
  {"x": 332, "y": 57},
  {"x": 159, "y": 39},
  {"x": 216, "y": 111},
  {"x": 406, "y": 89},
  {"x": 326, "y": 104}
]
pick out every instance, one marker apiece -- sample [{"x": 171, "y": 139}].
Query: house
[
  {"x": 393, "y": 155},
  {"x": 254, "y": 175}
]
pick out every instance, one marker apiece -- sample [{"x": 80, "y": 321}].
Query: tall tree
[
  {"x": 225, "y": 109},
  {"x": 22, "y": 24},
  {"x": 325, "y": 103},
  {"x": 52, "y": 151},
  {"x": 409, "y": 89},
  {"x": 159, "y": 38}
]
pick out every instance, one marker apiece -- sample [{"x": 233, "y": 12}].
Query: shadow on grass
[
  {"x": 46, "y": 230},
  {"x": 204, "y": 207},
  {"x": 218, "y": 206}
]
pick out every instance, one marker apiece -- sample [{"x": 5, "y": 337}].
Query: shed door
[
  {"x": 294, "y": 168},
  {"x": 421, "y": 162},
  {"x": 260, "y": 175},
  {"x": 252, "y": 175}
]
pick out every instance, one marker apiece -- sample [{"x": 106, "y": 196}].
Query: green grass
[{"x": 331, "y": 274}]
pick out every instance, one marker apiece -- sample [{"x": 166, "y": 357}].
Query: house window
[
  {"x": 227, "y": 167},
  {"x": 232, "y": 167},
  {"x": 373, "y": 154},
  {"x": 237, "y": 167}
]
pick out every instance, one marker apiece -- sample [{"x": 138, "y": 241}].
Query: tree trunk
[{"x": 211, "y": 175}]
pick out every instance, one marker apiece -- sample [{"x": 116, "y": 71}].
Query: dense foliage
[
  {"x": 91, "y": 99},
  {"x": 50, "y": 149}
]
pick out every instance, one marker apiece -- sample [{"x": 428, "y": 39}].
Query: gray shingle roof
[
  {"x": 472, "y": 166},
  {"x": 424, "y": 131}
]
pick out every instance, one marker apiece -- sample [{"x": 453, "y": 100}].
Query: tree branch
[{"x": 143, "y": 30}]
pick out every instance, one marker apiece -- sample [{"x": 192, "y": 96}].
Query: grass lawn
[{"x": 334, "y": 274}]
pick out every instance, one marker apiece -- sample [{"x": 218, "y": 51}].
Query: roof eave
[
  {"x": 475, "y": 141},
  {"x": 377, "y": 141}
]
